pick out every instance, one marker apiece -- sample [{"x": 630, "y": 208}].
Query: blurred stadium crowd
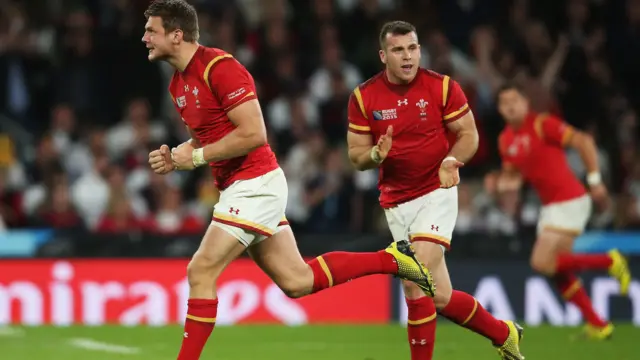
[{"x": 81, "y": 106}]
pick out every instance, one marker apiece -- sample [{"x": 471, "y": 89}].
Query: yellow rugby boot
[
  {"x": 409, "y": 268},
  {"x": 619, "y": 269},
  {"x": 595, "y": 333},
  {"x": 510, "y": 350}
]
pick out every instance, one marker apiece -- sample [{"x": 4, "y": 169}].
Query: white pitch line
[
  {"x": 6, "y": 331},
  {"x": 94, "y": 345}
]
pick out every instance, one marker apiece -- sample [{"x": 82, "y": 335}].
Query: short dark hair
[
  {"x": 512, "y": 85},
  {"x": 176, "y": 14},
  {"x": 395, "y": 28}
]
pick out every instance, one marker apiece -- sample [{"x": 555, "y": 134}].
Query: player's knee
[
  {"x": 203, "y": 269},
  {"x": 295, "y": 288},
  {"x": 411, "y": 290},
  {"x": 542, "y": 265},
  {"x": 443, "y": 296},
  {"x": 299, "y": 285},
  {"x": 294, "y": 291}
]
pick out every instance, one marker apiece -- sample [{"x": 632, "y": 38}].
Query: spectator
[
  {"x": 332, "y": 61},
  {"x": 328, "y": 196},
  {"x": 172, "y": 216},
  {"x": 63, "y": 126},
  {"x": 60, "y": 83},
  {"x": 90, "y": 193},
  {"x": 57, "y": 211},
  {"x": 119, "y": 217},
  {"x": 301, "y": 166},
  {"x": 135, "y": 131},
  {"x": 11, "y": 214}
]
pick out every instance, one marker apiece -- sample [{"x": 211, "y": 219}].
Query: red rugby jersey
[
  {"x": 536, "y": 149},
  {"x": 212, "y": 84},
  {"x": 419, "y": 112}
]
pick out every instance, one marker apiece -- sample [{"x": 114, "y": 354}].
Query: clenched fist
[
  {"x": 160, "y": 160},
  {"x": 182, "y": 157}
]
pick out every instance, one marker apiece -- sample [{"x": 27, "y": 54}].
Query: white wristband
[
  {"x": 197, "y": 156},
  {"x": 594, "y": 178},
  {"x": 375, "y": 156},
  {"x": 449, "y": 158}
]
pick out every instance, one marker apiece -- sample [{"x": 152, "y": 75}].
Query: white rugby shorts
[
  {"x": 570, "y": 216},
  {"x": 253, "y": 210},
  {"x": 431, "y": 217}
]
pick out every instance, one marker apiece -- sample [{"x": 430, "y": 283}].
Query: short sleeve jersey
[
  {"x": 536, "y": 149},
  {"x": 213, "y": 84},
  {"x": 418, "y": 112}
]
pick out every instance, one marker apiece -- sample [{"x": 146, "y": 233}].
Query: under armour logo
[
  {"x": 186, "y": 335},
  {"x": 421, "y": 342},
  {"x": 232, "y": 210},
  {"x": 403, "y": 102},
  {"x": 433, "y": 227}
]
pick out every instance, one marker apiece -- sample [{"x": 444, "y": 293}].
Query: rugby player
[
  {"x": 398, "y": 122},
  {"x": 532, "y": 149},
  {"x": 216, "y": 98}
]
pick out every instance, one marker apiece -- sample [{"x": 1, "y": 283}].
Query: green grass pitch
[{"x": 294, "y": 343}]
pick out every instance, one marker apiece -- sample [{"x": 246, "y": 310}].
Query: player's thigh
[
  {"x": 395, "y": 220},
  {"x": 568, "y": 217},
  {"x": 546, "y": 248},
  {"x": 217, "y": 249},
  {"x": 435, "y": 220},
  {"x": 558, "y": 226},
  {"x": 278, "y": 256},
  {"x": 252, "y": 209}
]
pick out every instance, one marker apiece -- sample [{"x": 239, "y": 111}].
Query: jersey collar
[
  {"x": 398, "y": 86},
  {"x": 192, "y": 60}
]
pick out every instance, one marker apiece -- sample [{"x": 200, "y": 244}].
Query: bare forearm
[
  {"x": 191, "y": 142},
  {"x": 589, "y": 155},
  {"x": 465, "y": 146},
  {"x": 361, "y": 158},
  {"x": 235, "y": 144}
]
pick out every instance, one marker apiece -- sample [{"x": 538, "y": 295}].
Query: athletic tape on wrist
[
  {"x": 375, "y": 156},
  {"x": 594, "y": 178},
  {"x": 197, "y": 155}
]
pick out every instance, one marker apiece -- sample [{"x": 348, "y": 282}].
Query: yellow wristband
[{"x": 197, "y": 156}]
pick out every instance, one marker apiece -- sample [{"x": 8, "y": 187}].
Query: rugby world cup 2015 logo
[{"x": 388, "y": 114}]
